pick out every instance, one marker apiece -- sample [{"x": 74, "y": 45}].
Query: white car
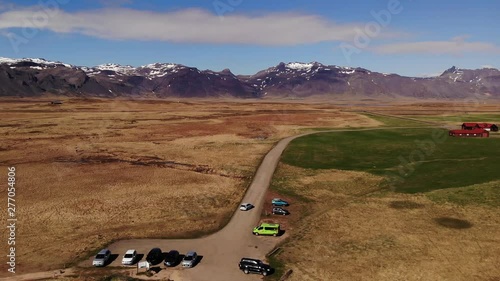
[
  {"x": 246, "y": 206},
  {"x": 190, "y": 259},
  {"x": 129, "y": 257}
]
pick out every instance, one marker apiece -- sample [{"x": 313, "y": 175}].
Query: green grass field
[
  {"x": 413, "y": 160},
  {"x": 390, "y": 121},
  {"x": 460, "y": 118}
]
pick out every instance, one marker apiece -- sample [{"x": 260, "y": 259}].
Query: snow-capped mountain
[
  {"x": 300, "y": 80},
  {"x": 294, "y": 77},
  {"x": 32, "y": 62},
  {"x": 35, "y": 77},
  {"x": 149, "y": 71}
]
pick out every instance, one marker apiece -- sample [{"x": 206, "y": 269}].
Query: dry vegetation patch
[{"x": 93, "y": 171}]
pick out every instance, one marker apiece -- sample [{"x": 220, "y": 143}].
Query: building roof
[
  {"x": 475, "y": 131},
  {"x": 469, "y": 124},
  {"x": 479, "y": 125},
  {"x": 485, "y": 125}
]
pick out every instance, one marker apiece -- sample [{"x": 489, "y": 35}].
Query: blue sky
[{"x": 413, "y": 38}]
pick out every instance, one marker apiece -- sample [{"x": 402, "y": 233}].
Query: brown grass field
[{"x": 92, "y": 171}]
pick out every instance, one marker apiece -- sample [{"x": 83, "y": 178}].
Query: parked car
[
  {"x": 267, "y": 229},
  {"x": 129, "y": 257},
  {"x": 246, "y": 206},
  {"x": 280, "y": 211},
  {"x": 155, "y": 256},
  {"x": 279, "y": 202},
  {"x": 172, "y": 258},
  {"x": 190, "y": 259},
  {"x": 102, "y": 258},
  {"x": 249, "y": 265}
]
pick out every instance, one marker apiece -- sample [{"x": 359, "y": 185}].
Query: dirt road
[{"x": 221, "y": 251}]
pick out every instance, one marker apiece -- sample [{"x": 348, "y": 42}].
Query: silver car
[
  {"x": 246, "y": 206},
  {"x": 189, "y": 259},
  {"x": 129, "y": 257},
  {"x": 101, "y": 258}
]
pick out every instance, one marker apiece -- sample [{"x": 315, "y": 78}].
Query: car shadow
[
  {"x": 197, "y": 261},
  {"x": 111, "y": 259},
  {"x": 281, "y": 232},
  {"x": 138, "y": 258},
  {"x": 271, "y": 272},
  {"x": 156, "y": 262},
  {"x": 155, "y": 269}
]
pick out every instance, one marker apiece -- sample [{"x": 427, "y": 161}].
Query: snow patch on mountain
[
  {"x": 126, "y": 69},
  {"x": 7, "y": 60},
  {"x": 150, "y": 71},
  {"x": 10, "y": 61},
  {"x": 157, "y": 70},
  {"x": 160, "y": 66},
  {"x": 300, "y": 66},
  {"x": 348, "y": 71}
]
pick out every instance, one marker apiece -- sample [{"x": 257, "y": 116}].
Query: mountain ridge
[{"x": 38, "y": 77}]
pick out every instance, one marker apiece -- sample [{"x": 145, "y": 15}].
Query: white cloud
[
  {"x": 190, "y": 25},
  {"x": 456, "y": 46}
]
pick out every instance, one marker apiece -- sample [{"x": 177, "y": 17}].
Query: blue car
[{"x": 279, "y": 202}]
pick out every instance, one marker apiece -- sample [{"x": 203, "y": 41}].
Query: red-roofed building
[
  {"x": 483, "y": 126},
  {"x": 475, "y": 133}
]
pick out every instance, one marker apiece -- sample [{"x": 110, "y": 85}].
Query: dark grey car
[
  {"x": 155, "y": 256},
  {"x": 280, "y": 211},
  {"x": 172, "y": 258}
]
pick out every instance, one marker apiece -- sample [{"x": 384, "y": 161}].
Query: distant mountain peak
[{"x": 452, "y": 69}]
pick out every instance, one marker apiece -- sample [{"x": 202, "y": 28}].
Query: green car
[{"x": 267, "y": 229}]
